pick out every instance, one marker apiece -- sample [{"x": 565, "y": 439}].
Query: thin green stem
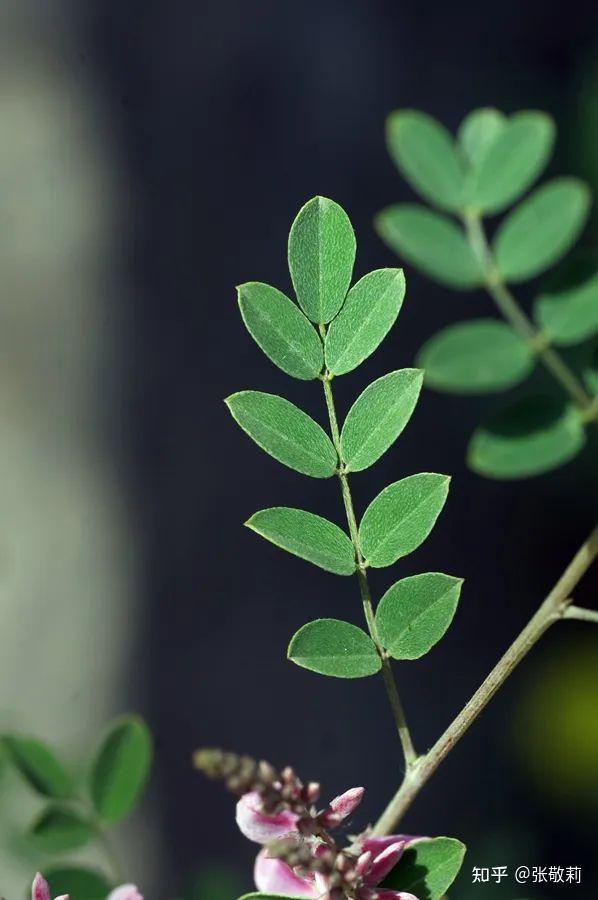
[
  {"x": 109, "y": 853},
  {"x": 102, "y": 838},
  {"x": 364, "y": 588},
  {"x": 516, "y": 317},
  {"x": 553, "y": 609},
  {"x": 579, "y": 612}
]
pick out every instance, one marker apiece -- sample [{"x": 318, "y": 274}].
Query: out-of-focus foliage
[{"x": 491, "y": 163}]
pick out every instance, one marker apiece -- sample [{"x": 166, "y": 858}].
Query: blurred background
[{"x": 153, "y": 157}]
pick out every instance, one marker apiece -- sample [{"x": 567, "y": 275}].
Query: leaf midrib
[
  {"x": 403, "y": 520},
  {"x": 293, "y": 345},
  {"x": 376, "y": 430},
  {"x": 427, "y": 609},
  {"x": 374, "y": 309},
  {"x": 284, "y": 437}
]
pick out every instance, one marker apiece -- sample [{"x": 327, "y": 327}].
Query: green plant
[
  {"x": 78, "y": 815},
  {"x": 328, "y": 333},
  {"x": 494, "y": 160}
]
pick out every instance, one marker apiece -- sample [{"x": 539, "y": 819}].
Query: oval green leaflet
[
  {"x": 541, "y": 229},
  {"x": 79, "y": 882},
  {"x": 306, "y": 535},
  {"x": 121, "y": 768},
  {"x": 512, "y": 161},
  {"x": 427, "y": 868},
  {"x": 432, "y": 243},
  {"x": 415, "y": 613},
  {"x": 321, "y": 257},
  {"x": 378, "y": 416},
  {"x": 285, "y": 432},
  {"x": 475, "y": 357},
  {"x": 59, "y": 829},
  {"x": 38, "y": 765},
  {"x": 333, "y": 647},
  {"x": 567, "y": 309},
  {"x": 368, "y": 314},
  {"x": 528, "y": 437},
  {"x": 424, "y": 151},
  {"x": 281, "y": 330},
  {"x": 477, "y": 131},
  {"x": 401, "y": 517}
]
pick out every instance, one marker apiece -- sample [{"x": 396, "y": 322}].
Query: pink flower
[
  {"x": 41, "y": 891},
  {"x": 125, "y": 892},
  {"x": 372, "y": 859}
]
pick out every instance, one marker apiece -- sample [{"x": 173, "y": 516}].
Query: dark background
[{"x": 228, "y": 116}]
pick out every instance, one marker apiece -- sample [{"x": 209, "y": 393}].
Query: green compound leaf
[
  {"x": 38, "y": 765},
  {"x": 378, "y": 416},
  {"x": 285, "y": 432},
  {"x": 279, "y": 327},
  {"x": 401, "y": 517},
  {"x": 59, "y": 830},
  {"x": 512, "y": 161},
  {"x": 306, "y": 535},
  {"x": 530, "y": 436},
  {"x": 321, "y": 257},
  {"x": 477, "y": 131},
  {"x": 425, "y": 153},
  {"x": 432, "y": 243},
  {"x": 79, "y": 883},
  {"x": 476, "y": 357},
  {"x": 332, "y": 647},
  {"x": 415, "y": 612},
  {"x": 541, "y": 229},
  {"x": 427, "y": 868},
  {"x": 121, "y": 769},
  {"x": 567, "y": 310},
  {"x": 368, "y": 314}
]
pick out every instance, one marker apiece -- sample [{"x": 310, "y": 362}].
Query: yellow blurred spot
[{"x": 556, "y": 724}]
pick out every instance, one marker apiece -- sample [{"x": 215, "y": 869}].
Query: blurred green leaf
[
  {"x": 214, "y": 881},
  {"x": 477, "y": 131},
  {"x": 401, "y": 517},
  {"x": 541, "y": 229},
  {"x": 475, "y": 357},
  {"x": 528, "y": 437},
  {"x": 121, "y": 769},
  {"x": 427, "y": 868},
  {"x": 332, "y": 647},
  {"x": 279, "y": 327},
  {"x": 306, "y": 535},
  {"x": 368, "y": 314},
  {"x": 567, "y": 309},
  {"x": 285, "y": 432},
  {"x": 38, "y": 765},
  {"x": 268, "y": 897},
  {"x": 59, "y": 829},
  {"x": 432, "y": 243},
  {"x": 321, "y": 257},
  {"x": 424, "y": 152},
  {"x": 512, "y": 161},
  {"x": 590, "y": 372},
  {"x": 378, "y": 416},
  {"x": 79, "y": 883},
  {"x": 415, "y": 613}
]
